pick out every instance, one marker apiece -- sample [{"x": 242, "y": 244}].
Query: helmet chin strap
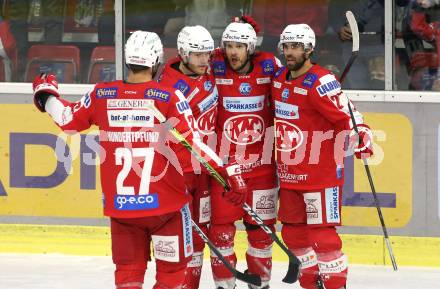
[{"x": 185, "y": 63}]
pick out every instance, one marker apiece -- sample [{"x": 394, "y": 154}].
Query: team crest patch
[
  {"x": 267, "y": 66},
  {"x": 182, "y": 86},
  {"x": 309, "y": 80},
  {"x": 219, "y": 68}
]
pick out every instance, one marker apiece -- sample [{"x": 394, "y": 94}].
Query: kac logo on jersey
[
  {"x": 219, "y": 68},
  {"x": 244, "y": 129},
  {"x": 206, "y": 121},
  {"x": 107, "y": 92},
  {"x": 182, "y": 86},
  {"x": 309, "y": 80},
  {"x": 285, "y": 94},
  {"x": 245, "y": 88},
  {"x": 267, "y": 66},
  {"x": 157, "y": 94},
  {"x": 288, "y": 136},
  {"x": 207, "y": 85}
]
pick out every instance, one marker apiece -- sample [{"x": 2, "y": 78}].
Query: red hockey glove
[
  {"x": 237, "y": 186},
  {"x": 44, "y": 86},
  {"x": 363, "y": 143}
]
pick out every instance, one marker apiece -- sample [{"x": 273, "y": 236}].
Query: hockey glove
[
  {"x": 44, "y": 86},
  {"x": 363, "y": 143},
  {"x": 237, "y": 186}
]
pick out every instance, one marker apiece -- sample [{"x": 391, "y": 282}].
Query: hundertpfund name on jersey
[{"x": 133, "y": 202}]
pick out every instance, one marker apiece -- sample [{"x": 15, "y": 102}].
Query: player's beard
[
  {"x": 240, "y": 63},
  {"x": 298, "y": 62}
]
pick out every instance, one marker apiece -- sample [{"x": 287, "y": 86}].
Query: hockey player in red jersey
[
  {"x": 312, "y": 123},
  {"x": 189, "y": 73},
  {"x": 144, "y": 191},
  {"x": 245, "y": 136}
]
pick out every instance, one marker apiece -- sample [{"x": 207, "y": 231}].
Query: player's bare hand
[{"x": 345, "y": 33}]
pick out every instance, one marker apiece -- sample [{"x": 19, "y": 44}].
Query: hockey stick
[
  {"x": 293, "y": 270},
  {"x": 245, "y": 277},
  {"x": 355, "y": 36}
]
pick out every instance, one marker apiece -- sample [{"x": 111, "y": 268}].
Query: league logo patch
[
  {"x": 285, "y": 94},
  {"x": 207, "y": 85},
  {"x": 309, "y": 80},
  {"x": 245, "y": 88},
  {"x": 219, "y": 68},
  {"x": 157, "y": 94},
  {"x": 182, "y": 86},
  {"x": 267, "y": 66},
  {"x": 107, "y": 92}
]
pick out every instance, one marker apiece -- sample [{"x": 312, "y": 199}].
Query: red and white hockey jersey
[
  {"x": 245, "y": 113},
  {"x": 141, "y": 172},
  {"x": 312, "y": 121},
  {"x": 201, "y": 94}
]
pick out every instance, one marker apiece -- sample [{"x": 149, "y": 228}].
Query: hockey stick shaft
[
  {"x": 248, "y": 278},
  {"x": 294, "y": 263},
  {"x": 355, "y": 34}
]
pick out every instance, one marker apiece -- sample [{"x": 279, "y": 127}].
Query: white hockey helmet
[
  {"x": 194, "y": 39},
  {"x": 301, "y": 33},
  {"x": 143, "y": 48},
  {"x": 242, "y": 33}
]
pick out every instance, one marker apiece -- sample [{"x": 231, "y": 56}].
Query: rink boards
[
  {"x": 35, "y": 188},
  {"x": 95, "y": 241}
]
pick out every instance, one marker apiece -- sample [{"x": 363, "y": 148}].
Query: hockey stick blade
[
  {"x": 355, "y": 38},
  {"x": 252, "y": 279},
  {"x": 294, "y": 262},
  {"x": 355, "y": 49},
  {"x": 248, "y": 278},
  {"x": 293, "y": 270}
]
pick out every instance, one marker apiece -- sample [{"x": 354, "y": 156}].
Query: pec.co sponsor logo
[
  {"x": 288, "y": 136},
  {"x": 244, "y": 129}
]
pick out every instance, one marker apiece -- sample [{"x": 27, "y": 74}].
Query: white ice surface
[{"x": 21, "y": 271}]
